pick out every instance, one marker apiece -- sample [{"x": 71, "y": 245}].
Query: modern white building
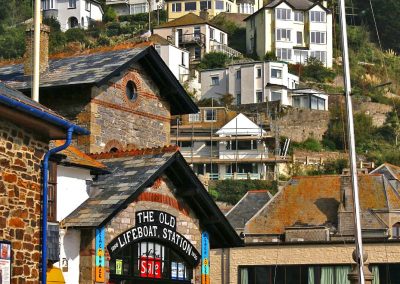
[
  {"x": 309, "y": 99},
  {"x": 133, "y": 7},
  {"x": 197, "y": 35},
  {"x": 73, "y": 13},
  {"x": 176, "y": 58},
  {"x": 293, "y": 30},
  {"x": 252, "y": 82}
]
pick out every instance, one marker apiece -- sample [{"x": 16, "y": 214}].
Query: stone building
[
  {"x": 115, "y": 93},
  {"x": 152, "y": 211},
  {"x": 26, "y": 127},
  {"x": 305, "y": 234}
]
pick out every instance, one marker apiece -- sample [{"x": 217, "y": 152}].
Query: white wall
[
  {"x": 70, "y": 240},
  {"x": 213, "y": 91},
  {"x": 71, "y": 189},
  {"x": 174, "y": 57}
]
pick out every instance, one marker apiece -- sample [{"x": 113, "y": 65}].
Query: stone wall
[
  {"x": 21, "y": 153},
  {"x": 157, "y": 197},
  {"x": 300, "y": 124},
  {"x": 115, "y": 121},
  {"x": 224, "y": 264}
]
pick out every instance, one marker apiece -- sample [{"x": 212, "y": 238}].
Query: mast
[
  {"x": 351, "y": 143},
  {"x": 36, "y": 52}
]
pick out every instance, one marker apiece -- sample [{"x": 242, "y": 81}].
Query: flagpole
[{"x": 351, "y": 144}]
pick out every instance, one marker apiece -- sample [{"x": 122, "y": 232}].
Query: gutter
[
  {"x": 42, "y": 114},
  {"x": 45, "y": 168}
]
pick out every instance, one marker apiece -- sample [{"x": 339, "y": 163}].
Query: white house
[
  {"x": 73, "y": 13},
  {"x": 252, "y": 82},
  {"x": 176, "y": 58},
  {"x": 197, "y": 35},
  {"x": 309, "y": 99},
  {"x": 133, "y": 7},
  {"x": 293, "y": 30}
]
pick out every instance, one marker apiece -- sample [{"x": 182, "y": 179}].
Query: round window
[{"x": 131, "y": 91}]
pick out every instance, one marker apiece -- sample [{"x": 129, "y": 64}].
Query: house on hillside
[
  {"x": 196, "y": 34},
  {"x": 114, "y": 93},
  {"x": 73, "y": 13},
  {"x": 26, "y": 128},
  {"x": 305, "y": 233},
  {"x": 250, "y": 82},
  {"x": 222, "y": 145},
  {"x": 293, "y": 30},
  {"x": 133, "y": 7}
]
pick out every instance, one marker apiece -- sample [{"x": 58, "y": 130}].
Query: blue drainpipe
[{"x": 45, "y": 167}]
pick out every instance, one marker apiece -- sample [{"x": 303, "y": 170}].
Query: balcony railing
[
  {"x": 219, "y": 47},
  {"x": 195, "y": 38}
]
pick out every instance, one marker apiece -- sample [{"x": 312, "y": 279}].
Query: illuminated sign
[
  {"x": 158, "y": 226},
  {"x": 100, "y": 270},
  {"x": 150, "y": 267}
]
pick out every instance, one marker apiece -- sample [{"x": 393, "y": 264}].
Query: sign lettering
[
  {"x": 100, "y": 270},
  {"x": 205, "y": 258},
  {"x": 156, "y": 225}
]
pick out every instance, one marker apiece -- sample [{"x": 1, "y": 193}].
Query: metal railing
[
  {"x": 197, "y": 38},
  {"x": 233, "y": 176},
  {"x": 219, "y": 47}
]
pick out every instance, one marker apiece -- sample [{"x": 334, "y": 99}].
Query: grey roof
[
  {"x": 247, "y": 207},
  {"x": 83, "y": 69},
  {"x": 128, "y": 175}
]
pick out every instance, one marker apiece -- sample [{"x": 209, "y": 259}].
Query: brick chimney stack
[
  {"x": 204, "y": 15},
  {"x": 44, "y": 50}
]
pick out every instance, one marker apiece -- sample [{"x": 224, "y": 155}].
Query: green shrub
[
  {"x": 231, "y": 191},
  {"x": 12, "y": 43},
  {"x": 75, "y": 35},
  {"x": 53, "y": 23},
  {"x": 270, "y": 56},
  {"x": 109, "y": 14},
  {"x": 213, "y": 60},
  {"x": 103, "y": 40}
]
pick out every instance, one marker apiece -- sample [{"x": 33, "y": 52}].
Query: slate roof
[
  {"x": 72, "y": 156},
  {"x": 14, "y": 99},
  {"x": 133, "y": 171},
  {"x": 84, "y": 69},
  {"x": 389, "y": 170},
  {"x": 247, "y": 207},
  {"x": 314, "y": 201}
]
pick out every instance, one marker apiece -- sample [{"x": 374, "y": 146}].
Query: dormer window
[
  {"x": 396, "y": 231},
  {"x": 131, "y": 91}
]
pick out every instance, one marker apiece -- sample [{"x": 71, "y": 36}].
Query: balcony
[{"x": 188, "y": 39}]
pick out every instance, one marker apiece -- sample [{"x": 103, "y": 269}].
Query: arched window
[
  {"x": 396, "y": 231},
  {"x": 73, "y": 22},
  {"x": 131, "y": 91},
  {"x": 149, "y": 260}
]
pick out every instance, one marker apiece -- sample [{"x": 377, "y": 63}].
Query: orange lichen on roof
[
  {"x": 76, "y": 157},
  {"x": 372, "y": 193},
  {"x": 302, "y": 201},
  {"x": 394, "y": 169},
  {"x": 136, "y": 152}
]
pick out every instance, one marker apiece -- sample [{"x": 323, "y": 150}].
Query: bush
[
  {"x": 53, "y": 23},
  {"x": 109, "y": 14},
  {"x": 231, "y": 191},
  {"x": 309, "y": 144},
  {"x": 314, "y": 70},
  {"x": 270, "y": 56},
  {"x": 75, "y": 35},
  {"x": 213, "y": 60},
  {"x": 12, "y": 43},
  {"x": 104, "y": 40}
]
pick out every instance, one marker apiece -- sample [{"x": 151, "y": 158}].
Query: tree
[
  {"x": 213, "y": 60},
  {"x": 314, "y": 70}
]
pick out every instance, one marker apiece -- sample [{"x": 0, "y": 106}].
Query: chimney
[
  {"x": 44, "y": 50},
  {"x": 325, "y": 3},
  {"x": 204, "y": 14}
]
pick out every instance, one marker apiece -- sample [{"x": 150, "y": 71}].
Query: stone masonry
[
  {"x": 159, "y": 196},
  {"x": 21, "y": 153},
  {"x": 115, "y": 121}
]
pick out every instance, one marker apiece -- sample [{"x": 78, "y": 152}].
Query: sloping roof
[
  {"x": 97, "y": 68},
  {"x": 157, "y": 39},
  {"x": 314, "y": 201},
  {"x": 13, "y": 99},
  {"x": 187, "y": 20},
  {"x": 247, "y": 207},
  {"x": 389, "y": 170},
  {"x": 240, "y": 125},
  {"x": 132, "y": 172},
  {"x": 72, "y": 156}
]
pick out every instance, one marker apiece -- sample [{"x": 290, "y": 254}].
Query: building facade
[
  {"x": 293, "y": 30},
  {"x": 305, "y": 233},
  {"x": 73, "y": 13},
  {"x": 197, "y": 35},
  {"x": 133, "y": 7},
  {"x": 253, "y": 82}
]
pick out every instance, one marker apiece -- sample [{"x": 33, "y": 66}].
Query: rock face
[{"x": 21, "y": 153}]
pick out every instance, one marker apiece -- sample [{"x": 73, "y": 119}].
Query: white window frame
[
  {"x": 212, "y": 33},
  {"x": 194, "y": 117},
  {"x": 174, "y": 7},
  {"x": 284, "y": 35},
  {"x": 258, "y": 72},
  {"x": 87, "y": 5},
  {"x": 318, "y": 37},
  {"x": 276, "y": 92},
  {"x": 208, "y": 4},
  {"x": 319, "y": 54},
  {"x": 71, "y": 4},
  {"x": 297, "y": 37},
  {"x": 191, "y": 2},
  {"x": 278, "y": 73},
  {"x": 298, "y": 16},
  {"x": 213, "y": 115},
  {"x": 238, "y": 74},
  {"x": 213, "y": 81},
  {"x": 283, "y": 14},
  {"x": 280, "y": 52},
  {"x": 259, "y": 92},
  {"x": 317, "y": 17}
]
